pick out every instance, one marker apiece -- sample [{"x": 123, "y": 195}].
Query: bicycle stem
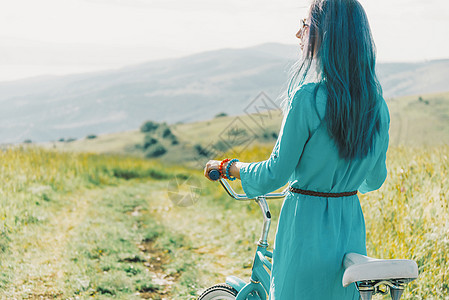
[
  {"x": 266, "y": 221},
  {"x": 262, "y": 202}
]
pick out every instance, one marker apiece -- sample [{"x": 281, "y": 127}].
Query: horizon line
[{"x": 118, "y": 68}]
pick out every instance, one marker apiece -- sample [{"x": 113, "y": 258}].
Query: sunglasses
[{"x": 304, "y": 24}]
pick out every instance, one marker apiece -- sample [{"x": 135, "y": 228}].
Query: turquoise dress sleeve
[
  {"x": 377, "y": 175},
  {"x": 260, "y": 178}
]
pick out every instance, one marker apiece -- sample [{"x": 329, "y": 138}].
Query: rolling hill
[
  {"x": 187, "y": 89},
  {"x": 415, "y": 121}
]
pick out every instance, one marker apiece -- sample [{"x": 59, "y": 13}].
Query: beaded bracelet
[
  {"x": 220, "y": 167},
  {"x": 228, "y": 167}
]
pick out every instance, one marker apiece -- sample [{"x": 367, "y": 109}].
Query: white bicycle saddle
[{"x": 361, "y": 268}]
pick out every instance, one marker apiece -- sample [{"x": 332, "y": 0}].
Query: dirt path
[
  {"x": 214, "y": 262},
  {"x": 155, "y": 259},
  {"x": 401, "y": 124}
]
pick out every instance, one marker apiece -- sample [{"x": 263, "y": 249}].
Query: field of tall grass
[
  {"x": 409, "y": 216},
  {"x": 78, "y": 226},
  {"x": 85, "y": 225}
]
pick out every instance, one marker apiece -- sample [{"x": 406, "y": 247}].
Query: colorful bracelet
[
  {"x": 220, "y": 167},
  {"x": 228, "y": 167}
]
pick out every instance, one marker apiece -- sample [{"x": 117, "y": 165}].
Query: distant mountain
[
  {"x": 403, "y": 79},
  {"x": 191, "y": 88}
]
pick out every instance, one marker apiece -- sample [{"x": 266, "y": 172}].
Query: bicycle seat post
[{"x": 266, "y": 220}]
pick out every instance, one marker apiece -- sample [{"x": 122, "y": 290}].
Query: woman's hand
[
  {"x": 211, "y": 165},
  {"x": 234, "y": 170}
]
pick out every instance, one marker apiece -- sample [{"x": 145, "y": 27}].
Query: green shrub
[
  {"x": 149, "y": 141},
  {"x": 154, "y": 173},
  {"x": 166, "y": 133},
  {"x": 149, "y": 126},
  {"x": 200, "y": 150},
  {"x": 155, "y": 151},
  {"x": 269, "y": 135},
  {"x": 221, "y": 115},
  {"x": 221, "y": 146}
]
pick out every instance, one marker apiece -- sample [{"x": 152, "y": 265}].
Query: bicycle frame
[{"x": 259, "y": 284}]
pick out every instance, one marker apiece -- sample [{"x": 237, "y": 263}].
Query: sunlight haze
[{"x": 51, "y": 37}]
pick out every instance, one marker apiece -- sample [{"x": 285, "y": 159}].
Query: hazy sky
[{"x": 66, "y": 36}]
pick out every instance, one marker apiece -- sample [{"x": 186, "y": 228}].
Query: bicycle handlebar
[{"x": 215, "y": 175}]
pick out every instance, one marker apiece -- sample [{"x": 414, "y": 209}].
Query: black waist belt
[{"x": 319, "y": 194}]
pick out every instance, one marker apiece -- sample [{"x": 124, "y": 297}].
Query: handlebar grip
[{"x": 214, "y": 174}]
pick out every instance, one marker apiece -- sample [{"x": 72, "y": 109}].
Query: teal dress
[{"x": 314, "y": 233}]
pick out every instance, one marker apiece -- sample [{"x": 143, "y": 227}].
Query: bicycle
[{"x": 370, "y": 275}]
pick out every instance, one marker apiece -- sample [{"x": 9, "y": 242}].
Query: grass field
[
  {"x": 82, "y": 226},
  {"x": 80, "y": 220}
]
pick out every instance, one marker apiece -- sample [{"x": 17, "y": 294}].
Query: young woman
[{"x": 332, "y": 143}]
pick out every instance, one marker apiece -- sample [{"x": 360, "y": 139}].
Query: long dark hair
[{"x": 341, "y": 43}]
